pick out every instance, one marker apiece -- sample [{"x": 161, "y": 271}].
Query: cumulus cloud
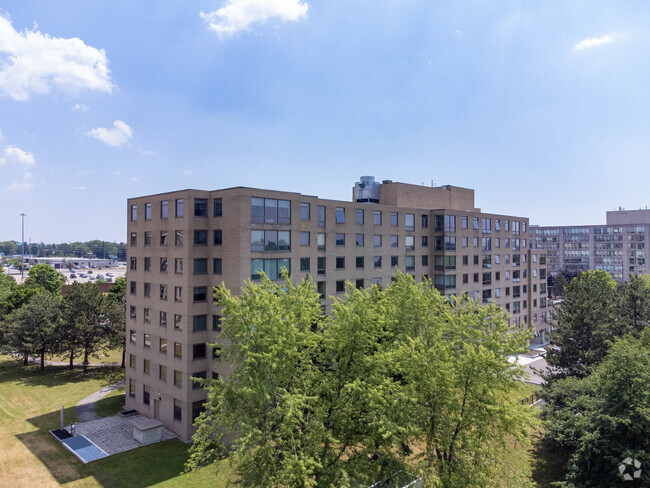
[
  {"x": 32, "y": 62},
  {"x": 237, "y": 15},
  {"x": 116, "y": 137},
  {"x": 593, "y": 42},
  {"x": 13, "y": 154},
  {"x": 19, "y": 187}
]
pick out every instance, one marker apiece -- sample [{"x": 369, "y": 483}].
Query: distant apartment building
[
  {"x": 181, "y": 244},
  {"x": 618, "y": 247}
]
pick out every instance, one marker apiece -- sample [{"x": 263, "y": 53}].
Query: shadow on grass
[
  {"x": 51, "y": 376},
  {"x": 547, "y": 465},
  {"x": 137, "y": 468},
  {"x": 110, "y": 405}
]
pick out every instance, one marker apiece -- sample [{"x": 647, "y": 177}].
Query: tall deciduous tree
[
  {"x": 346, "y": 399},
  {"x": 634, "y": 304},
  {"x": 86, "y": 321},
  {"x": 117, "y": 314},
  {"x": 585, "y": 322},
  {"x": 46, "y": 277}
]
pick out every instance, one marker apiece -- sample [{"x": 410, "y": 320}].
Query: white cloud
[
  {"x": 593, "y": 42},
  {"x": 187, "y": 172},
  {"x": 13, "y": 154},
  {"x": 80, "y": 108},
  {"x": 19, "y": 187},
  {"x": 113, "y": 137},
  {"x": 237, "y": 15},
  {"x": 33, "y": 62}
]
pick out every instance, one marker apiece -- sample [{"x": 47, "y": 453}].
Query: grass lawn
[
  {"x": 105, "y": 357},
  {"x": 111, "y": 404},
  {"x": 30, "y": 457}
]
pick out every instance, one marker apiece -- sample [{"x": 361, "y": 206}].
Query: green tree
[
  {"x": 31, "y": 328},
  {"x": 86, "y": 322},
  {"x": 598, "y": 421},
  {"x": 46, "y": 277},
  {"x": 584, "y": 324},
  {"x": 344, "y": 400},
  {"x": 117, "y": 313},
  {"x": 634, "y": 311}
]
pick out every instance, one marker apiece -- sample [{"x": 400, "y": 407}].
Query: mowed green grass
[{"x": 30, "y": 457}]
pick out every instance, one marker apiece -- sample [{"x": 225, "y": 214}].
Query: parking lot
[{"x": 106, "y": 272}]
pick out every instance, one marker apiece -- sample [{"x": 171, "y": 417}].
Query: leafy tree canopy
[{"x": 46, "y": 277}]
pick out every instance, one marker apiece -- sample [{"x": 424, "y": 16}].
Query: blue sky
[{"x": 542, "y": 107}]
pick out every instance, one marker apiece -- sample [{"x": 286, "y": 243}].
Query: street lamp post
[{"x": 22, "y": 239}]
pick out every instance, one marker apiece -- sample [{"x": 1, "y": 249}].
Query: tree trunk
[
  {"x": 71, "y": 358},
  {"x": 85, "y": 361},
  {"x": 123, "y": 357},
  {"x": 25, "y": 359},
  {"x": 42, "y": 359}
]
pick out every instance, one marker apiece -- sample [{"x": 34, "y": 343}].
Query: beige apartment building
[{"x": 181, "y": 244}]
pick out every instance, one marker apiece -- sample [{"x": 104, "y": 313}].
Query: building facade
[
  {"x": 618, "y": 247},
  {"x": 181, "y": 244}
]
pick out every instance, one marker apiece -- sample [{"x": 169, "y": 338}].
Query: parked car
[
  {"x": 110, "y": 274},
  {"x": 72, "y": 276},
  {"x": 90, "y": 271},
  {"x": 83, "y": 275},
  {"x": 100, "y": 276},
  {"x": 91, "y": 277},
  {"x": 109, "y": 279}
]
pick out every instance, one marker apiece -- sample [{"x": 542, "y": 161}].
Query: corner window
[
  {"x": 134, "y": 213},
  {"x": 340, "y": 215},
  {"x": 147, "y": 211},
  {"x": 179, "y": 207},
  {"x": 218, "y": 207},
  {"x": 200, "y": 294},
  {"x": 217, "y": 237},
  {"x": 164, "y": 209},
  {"x": 199, "y": 323},
  {"x": 200, "y": 207}
]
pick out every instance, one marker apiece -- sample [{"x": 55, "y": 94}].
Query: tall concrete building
[
  {"x": 618, "y": 247},
  {"x": 181, "y": 244}
]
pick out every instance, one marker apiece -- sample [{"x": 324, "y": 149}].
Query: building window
[
  {"x": 304, "y": 238},
  {"x": 179, "y": 207},
  {"x": 197, "y": 408},
  {"x": 147, "y": 289},
  {"x": 132, "y": 360},
  {"x": 270, "y": 211},
  {"x": 147, "y": 211},
  {"x": 425, "y": 221},
  {"x": 147, "y": 238},
  {"x": 134, "y": 213},
  {"x": 393, "y": 219},
  {"x": 178, "y": 381},
  {"x": 359, "y": 240},
  {"x": 200, "y": 266},
  {"x": 340, "y": 239},
  {"x": 340, "y": 262},
  {"x": 163, "y": 265},
  {"x": 394, "y": 241},
  {"x": 146, "y": 397},
  {"x": 218, "y": 207},
  {"x": 394, "y": 261},
  {"x": 178, "y": 321},
  {"x": 134, "y": 238},
  {"x": 162, "y": 345},
  {"x": 270, "y": 240},
  {"x": 359, "y": 284},
  {"x": 340, "y": 286},
  {"x": 410, "y": 221},
  {"x": 304, "y": 264},
  {"x": 425, "y": 241},
  {"x": 216, "y": 352},
  {"x": 425, "y": 260},
  {"x": 200, "y": 294},
  {"x": 377, "y": 240},
  {"x": 216, "y": 323},
  {"x": 199, "y": 323},
  {"x": 272, "y": 268},
  {"x": 321, "y": 265},
  {"x": 410, "y": 263},
  {"x": 163, "y": 237},
  {"x": 340, "y": 215},
  {"x": 147, "y": 315},
  {"x": 217, "y": 237},
  {"x": 147, "y": 264},
  {"x": 164, "y": 209},
  {"x": 475, "y": 223},
  {"x": 320, "y": 241},
  {"x": 162, "y": 373},
  {"x": 358, "y": 215},
  {"x": 132, "y": 336},
  {"x": 146, "y": 366},
  {"x": 178, "y": 350},
  {"x": 133, "y": 313},
  {"x": 178, "y": 294},
  {"x": 464, "y": 222},
  {"x": 178, "y": 265},
  {"x": 198, "y": 351},
  {"x": 217, "y": 267},
  {"x": 179, "y": 237},
  {"x": 133, "y": 286},
  {"x": 359, "y": 262},
  {"x": 486, "y": 225},
  {"x": 196, "y": 385},
  {"x": 377, "y": 261},
  {"x": 410, "y": 243},
  {"x": 200, "y": 237},
  {"x": 304, "y": 210},
  {"x": 134, "y": 263},
  {"x": 200, "y": 207},
  {"x": 320, "y": 288},
  {"x": 377, "y": 217},
  {"x": 321, "y": 216}
]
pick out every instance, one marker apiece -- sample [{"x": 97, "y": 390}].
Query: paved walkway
[
  {"x": 115, "y": 434},
  {"x": 86, "y": 407}
]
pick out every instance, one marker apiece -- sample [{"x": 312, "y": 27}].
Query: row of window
[
  {"x": 197, "y": 407},
  {"x": 447, "y": 223},
  {"x": 200, "y": 265},
  {"x": 200, "y": 209},
  {"x": 200, "y": 238},
  {"x": 199, "y": 350}
]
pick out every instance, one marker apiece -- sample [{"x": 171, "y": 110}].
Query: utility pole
[{"x": 22, "y": 239}]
